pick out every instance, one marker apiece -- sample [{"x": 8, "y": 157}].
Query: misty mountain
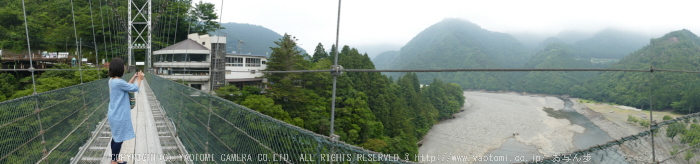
[
  {"x": 610, "y": 43},
  {"x": 384, "y": 59},
  {"x": 257, "y": 39},
  {"x": 548, "y": 41},
  {"x": 678, "y": 50},
  {"x": 556, "y": 55},
  {"x": 373, "y": 50},
  {"x": 571, "y": 37},
  {"x": 456, "y": 43}
]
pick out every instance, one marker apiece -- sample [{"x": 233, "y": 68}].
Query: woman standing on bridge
[{"x": 119, "y": 114}]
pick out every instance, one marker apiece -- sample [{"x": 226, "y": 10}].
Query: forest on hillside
[
  {"x": 51, "y": 26},
  {"x": 454, "y": 43},
  {"x": 372, "y": 110},
  {"x": 254, "y": 39}
]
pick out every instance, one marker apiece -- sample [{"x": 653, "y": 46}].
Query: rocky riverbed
[{"x": 489, "y": 119}]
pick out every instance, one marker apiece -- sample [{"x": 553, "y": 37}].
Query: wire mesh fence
[
  {"x": 207, "y": 124},
  {"x": 49, "y": 127},
  {"x": 675, "y": 141}
]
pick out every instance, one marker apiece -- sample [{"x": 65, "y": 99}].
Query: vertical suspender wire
[
  {"x": 216, "y": 51},
  {"x": 31, "y": 67},
  {"x": 80, "y": 68},
  {"x": 187, "y": 47},
  {"x": 167, "y": 41},
  {"x": 76, "y": 42},
  {"x": 158, "y": 24},
  {"x": 177, "y": 20},
  {"x": 651, "y": 113},
  {"x": 163, "y": 23},
  {"x": 94, "y": 41},
  {"x": 109, "y": 27},
  {"x": 125, "y": 30},
  {"x": 104, "y": 38},
  {"x": 335, "y": 75},
  {"x": 117, "y": 41},
  {"x": 117, "y": 29},
  {"x": 335, "y": 80}
]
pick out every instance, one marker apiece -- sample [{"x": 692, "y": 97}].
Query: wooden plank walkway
[{"x": 145, "y": 148}]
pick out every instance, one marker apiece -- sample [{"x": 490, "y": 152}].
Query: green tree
[
  {"x": 8, "y": 87},
  {"x": 248, "y": 91},
  {"x": 688, "y": 155},
  {"x": 206, "y": 18},
  {"x": 631, "y": 119},
  {"x": 286, "y": 87},
  {"x": 229, "y": 92},
  {"x": 266, "y": 106},
  {"x": 667, "y": 117},
  {"x": 674, "y": 129},
  {"x": 319, "y": 53}
]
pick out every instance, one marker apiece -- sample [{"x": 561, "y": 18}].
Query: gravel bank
[
  {"x": 490, "y": 119},
  {"x": 614, "y": 130}
]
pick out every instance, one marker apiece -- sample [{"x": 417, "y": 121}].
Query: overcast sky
[{"x": 389, "y": 24}]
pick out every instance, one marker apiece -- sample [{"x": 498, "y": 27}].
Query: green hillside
[
  {"x": 257, "y": 39},
  {"x": 384, "y": 59},
  {"x": 679, "y": 50},
  {"x": 610, "y": 43},
  {"x": 456, "y": 43},
  {"x": 556, "y": 55}
]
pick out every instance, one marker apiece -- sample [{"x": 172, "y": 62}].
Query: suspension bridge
[{"x": 175, "y": 123}]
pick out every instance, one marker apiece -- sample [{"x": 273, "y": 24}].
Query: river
[{"x": 591, "y": 136}]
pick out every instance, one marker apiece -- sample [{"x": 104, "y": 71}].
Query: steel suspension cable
[
  {"x": 94, "y": 39},
  {"x": 104, "y": 38},
  {"x": 76, "y": 42},
  {"x": 177, "y": 20},
  {"x": 335, "y": 75},
  {"x": 31, "y": 67}
]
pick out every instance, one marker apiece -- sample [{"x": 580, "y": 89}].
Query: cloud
[{"x": 366, "y": 22}]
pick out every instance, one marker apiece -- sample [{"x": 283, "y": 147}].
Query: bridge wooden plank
[{"x": 149, "y": 144}]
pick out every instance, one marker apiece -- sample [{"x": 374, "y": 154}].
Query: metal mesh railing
[
  {"x": 207, "y": 124},
  {"x": 675, "y": 141},
  {"x": 50, "y": 127}
]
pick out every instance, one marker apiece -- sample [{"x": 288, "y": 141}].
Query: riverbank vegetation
[{"x": 372, "y": 110}]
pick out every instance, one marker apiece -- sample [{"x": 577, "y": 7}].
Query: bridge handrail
[
  {"x": 50, "y": 126},
  {"x": 208, "y": 124}
]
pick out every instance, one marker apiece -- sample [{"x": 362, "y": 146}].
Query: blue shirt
[{"x": 119, "y": 114}]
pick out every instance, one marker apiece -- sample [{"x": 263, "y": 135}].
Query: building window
[
  {"x": 196, "y": 86},
  {"x": 263, "y": 62},
  {"x": 252, "y": 62},
  {"x": 234, "y": 61}
]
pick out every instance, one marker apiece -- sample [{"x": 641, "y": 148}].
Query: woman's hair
[{"x": 116, "y": 67}]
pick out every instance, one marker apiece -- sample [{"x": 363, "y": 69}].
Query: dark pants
[{"x": 116, "y": 147}]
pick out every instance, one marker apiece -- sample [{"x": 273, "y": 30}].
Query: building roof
[{"x": 185, "y": 46}]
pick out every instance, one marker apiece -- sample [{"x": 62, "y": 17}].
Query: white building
[
  {"x": 248, "y": 63},
  {"x": 191, "y": 60}
]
